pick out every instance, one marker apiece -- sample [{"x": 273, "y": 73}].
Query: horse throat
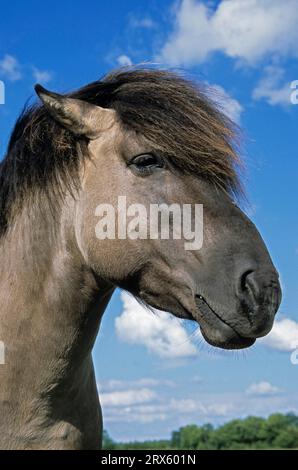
[{"x": 51, "y": 307}]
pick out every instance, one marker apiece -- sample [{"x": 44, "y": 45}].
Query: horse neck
[{"x": 51, "y": 306}]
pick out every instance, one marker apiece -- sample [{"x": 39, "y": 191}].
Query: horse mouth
[{"x": 216, "y": 330}]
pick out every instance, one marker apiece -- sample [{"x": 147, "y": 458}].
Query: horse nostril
[
  {"x": 243, "y": 279},
  {"x": 247, "y": 286},
  {"x": 252, "y": 288},
  {"x": 257, "y": 288}
]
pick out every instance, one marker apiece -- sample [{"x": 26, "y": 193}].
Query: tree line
[{"x": 278, "y": 431}]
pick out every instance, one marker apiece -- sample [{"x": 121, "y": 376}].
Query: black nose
[{"x": 259, "y": 293}]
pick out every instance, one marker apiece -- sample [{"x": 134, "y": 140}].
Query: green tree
[
  {"x": 204, "y": 437},
  {"x": 238, "y": 434},
  {"x": 287, "y": 438},
  {"x": 273, "y": 426},
  {"x": 192, "y": 437},
  {"x": 107, "y": 441},
  {"x": 277, "y": 431},
  {"x": 189, "y": 436}
]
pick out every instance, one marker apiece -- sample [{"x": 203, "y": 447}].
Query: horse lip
[
  {"x": 205, "y": 308},
  {"x": 207, "y": 313}
]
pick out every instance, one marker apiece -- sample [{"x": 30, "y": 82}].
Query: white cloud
[
  {"x": 146, "y": 22},
  {"x": 230, "y": 106},
  {"x": 272, "y": 88},
  {"x": 10, "y": 68},
  {"x": 197, "y": 379},
  {"x": 190, "y": 405},
  {"x": 283, "y": 336},
  {"x": 115, "y": 384},
  {"x": 133, "y": 415},
  {"x": 43, "y": 76},
  {"x": 248, "y": 30},
  {"x": 167, "y": 409},
  {"x": 161, "y": 333},
  {"x": 262, "y": 389},
  {"x": 162, "y": 409},
  {"x": 123, "y": 60},
  {"x": 127, "y": 397}
]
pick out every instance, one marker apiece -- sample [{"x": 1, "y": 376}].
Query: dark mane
[{"x": 177, "y": 116}]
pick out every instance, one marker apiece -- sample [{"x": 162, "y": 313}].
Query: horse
[{"x": 153, "y": 136}]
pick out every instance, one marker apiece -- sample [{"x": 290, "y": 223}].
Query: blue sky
[{"x": 248, "y": 51}]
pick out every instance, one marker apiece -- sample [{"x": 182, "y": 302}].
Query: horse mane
[{"x": 176, "y": 115}]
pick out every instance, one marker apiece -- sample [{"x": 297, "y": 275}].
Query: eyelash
[{"x": 146, "y": 163}]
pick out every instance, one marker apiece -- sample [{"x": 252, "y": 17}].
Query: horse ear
[{"x": 79, "y": 117}]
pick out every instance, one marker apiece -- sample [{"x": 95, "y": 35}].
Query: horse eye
[{"x": 146, "y": 162}]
